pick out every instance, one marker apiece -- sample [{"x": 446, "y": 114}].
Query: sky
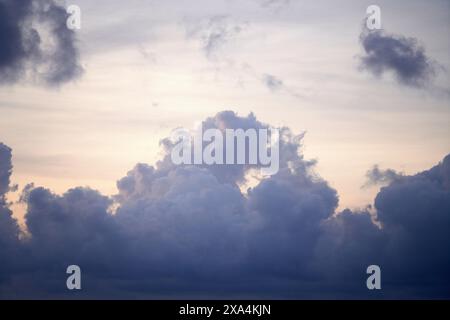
[{"x": 83, "y": 107}]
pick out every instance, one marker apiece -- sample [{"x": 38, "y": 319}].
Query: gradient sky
[{"x": 147, "y": 72}]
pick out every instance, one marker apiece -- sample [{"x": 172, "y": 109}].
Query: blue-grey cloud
[
  {"x": 5, "y": 168},
  {"x": 236, "y": 174},
  {"x": 189, "y": 231},
  {"x": 214, "y": 33},
  {"x": 377, "y": 176},
  {"x": 272, "y": 82},
  {"x": 9, "y": 229},
  {"x": 402, "y": 56},
  {"x": 35, "y": 43}
]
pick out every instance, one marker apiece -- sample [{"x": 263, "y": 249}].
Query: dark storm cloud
[
  {"x": 402, "y": 56},
  {"x": 35, "y": 43},
  {"x": 414, "y": 213},
  {"x": 10, "y": 247},
  {"x": 189, "y": 231}
]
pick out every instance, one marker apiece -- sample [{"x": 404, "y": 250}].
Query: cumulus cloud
[
  {"x": 36, "y": 45},
  {"x": 235, "y": 174},
  {"x": 414, "y": 214},
  {"x": 404, "y": 57},
  {"x": 408, "y": 241},
  {"x": 189, "y": 231},
  {"x": 9, "y": 229}
]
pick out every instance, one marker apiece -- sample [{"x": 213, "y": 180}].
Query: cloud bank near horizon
[{"x": 189, "y": 231}]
